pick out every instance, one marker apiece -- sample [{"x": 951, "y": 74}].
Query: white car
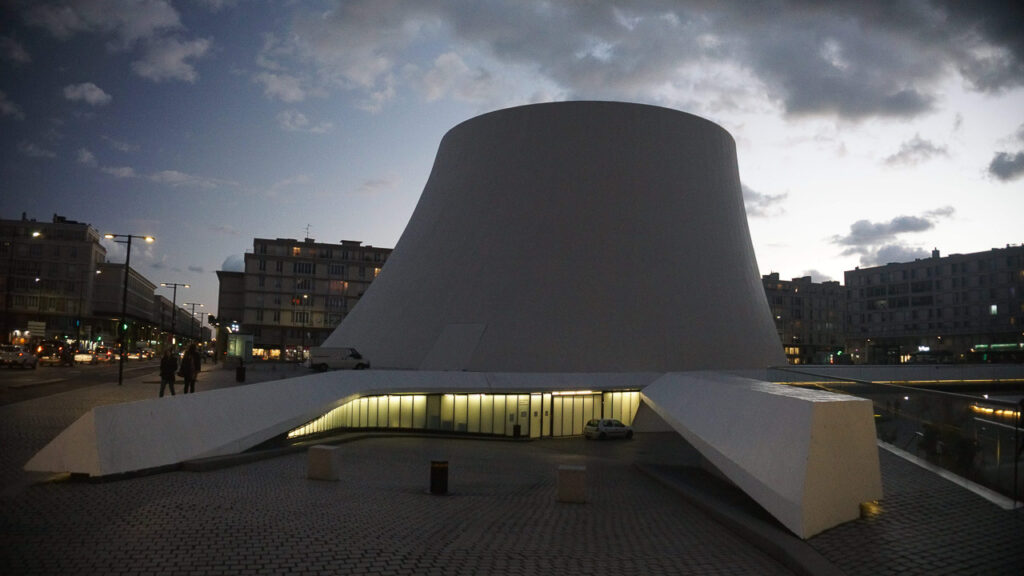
[
  {"x": 606, "y": 428},
  {"x": 329, "y": 358},
  {"x": 19, "y": 356}
]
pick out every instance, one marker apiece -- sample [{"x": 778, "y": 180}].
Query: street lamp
[
  {"x": 174, "y": 302},
  {"x": 192, "y": 325},
  {"x": 124, "y": 293}
]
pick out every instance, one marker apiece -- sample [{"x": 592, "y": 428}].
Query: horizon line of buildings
[
  {"x": 292, "y": 294},
  {"x": 957, "y": 308}
]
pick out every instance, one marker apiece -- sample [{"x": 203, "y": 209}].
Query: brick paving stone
[{"x": 501, "y": 516}]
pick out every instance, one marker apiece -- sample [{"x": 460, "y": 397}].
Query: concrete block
[
  {"x": 808, "y": 457},
  {"x": 324, "y": 462},
  {"x": 572, "y": 483}
]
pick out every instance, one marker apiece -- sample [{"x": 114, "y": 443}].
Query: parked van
[{"x": 323, "y": 358}]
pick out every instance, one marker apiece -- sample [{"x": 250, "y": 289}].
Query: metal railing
[{"x": 976, "y": 437}]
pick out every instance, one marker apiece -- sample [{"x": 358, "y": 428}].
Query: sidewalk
[{"x": 650, "y": 510}]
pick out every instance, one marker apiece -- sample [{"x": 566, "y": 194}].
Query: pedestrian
[
  {"x": 190, "y": 366},
  {"x": 168, "y": 366}
]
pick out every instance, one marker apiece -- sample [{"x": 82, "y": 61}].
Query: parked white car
[
  {"x": 323, "y": 358},
  {"x": 606, "y": 428}
]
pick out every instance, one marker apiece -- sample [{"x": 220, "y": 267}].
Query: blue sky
[{"x": 866, "y": 132}]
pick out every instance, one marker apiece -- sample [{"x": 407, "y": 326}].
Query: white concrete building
[{"x": 566, "y": 261}]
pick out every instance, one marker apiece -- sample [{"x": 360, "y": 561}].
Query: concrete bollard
[
  {"x": 323, "y": 462},
  {"x": 572, "y": 483}
]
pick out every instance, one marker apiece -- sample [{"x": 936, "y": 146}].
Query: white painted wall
[
  {"x": 808, "y": 457},
  {"x": 573, "y": 236}
]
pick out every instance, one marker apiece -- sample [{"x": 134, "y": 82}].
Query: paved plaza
[{"x": 650, "y": 510}]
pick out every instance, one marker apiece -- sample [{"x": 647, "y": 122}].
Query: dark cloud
[
  {"x": 196, "y": 269},
  {"x": 915, "y": 151},
  {"x": 760, "y": 205},
  {"x": 12, "y": 51},
  {"x": 879, "y": 243},
  {"x": 996, "y": 24},
  {"x": 864, "y": 232},
  {"x": 894, "y": 253},
  {"x": 1007, "y": 166},
  {"x": 849, "y": 59}
]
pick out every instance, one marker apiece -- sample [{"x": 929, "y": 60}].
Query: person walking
[
  {"x": 168, "y": 366},
  {"x": 190, "y": 366}
]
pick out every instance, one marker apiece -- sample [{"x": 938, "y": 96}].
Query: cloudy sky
[{"x": 867, "y": 132}]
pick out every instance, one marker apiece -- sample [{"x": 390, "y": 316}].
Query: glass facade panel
[
  {"x": 394, "y": 413},
  {"x": 487, "y": 414},
  {"x": 591, "y": 409},
  {"x": 419, "y": 412},
  {"x": 577, "y": 415},
  {"x": 371, "y": 412},
  {"x": 461, "y": 412},
  {"x": 405, "y": 418},
  {"x": 447, "y": 412},
  {"x": 473, "y": 425},
  {"x": 364, "y": 419},
  {"x": 535, "y": 415},
  {"x": 499, "y": 414},
  {"x": 433, "y": 412},
  {"x": 540, "y": 414},
  {"x": 556, "y": 416},
  {"x": 382, "y": 411}
]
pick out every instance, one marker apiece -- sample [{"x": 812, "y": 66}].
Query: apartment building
[
  {"x": 295, "y": 292},
  {"x": 57, "y": 284},
  {"x": 49, "y": 278},
  {"x": 808, "y": 317},
  {"x": 962, "y": 307}
]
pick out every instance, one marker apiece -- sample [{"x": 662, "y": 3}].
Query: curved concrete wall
[{"x": 572, "y": 237}]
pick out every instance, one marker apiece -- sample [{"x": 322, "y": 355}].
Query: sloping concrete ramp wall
[{"x": 807, "y": 457}]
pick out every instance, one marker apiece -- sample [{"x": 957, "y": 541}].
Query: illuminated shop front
[{"x": 530, "y": 415}]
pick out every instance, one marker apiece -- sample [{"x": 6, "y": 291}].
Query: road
[{"x": 17, "y": 385}]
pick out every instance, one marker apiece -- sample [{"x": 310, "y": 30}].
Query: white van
[{"x": 324, "y": 358}]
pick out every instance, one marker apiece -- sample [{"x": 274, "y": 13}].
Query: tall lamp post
[
  {"x": 174, "y": 303},
  {"x": 124, "y": 293},
  {"x": 192, "y": 326}
]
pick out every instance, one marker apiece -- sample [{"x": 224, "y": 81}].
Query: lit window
[{"x": 993, "y": 309}]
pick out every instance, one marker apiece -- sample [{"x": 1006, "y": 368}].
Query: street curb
[{"x": 793, "y": 553}]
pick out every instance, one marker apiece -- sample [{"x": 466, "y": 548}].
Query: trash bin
[
  {"x": 240, "y": 374},
  {"x": 438, "y": 476}
]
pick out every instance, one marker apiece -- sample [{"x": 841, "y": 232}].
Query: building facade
[
  {"x": 962, "y": 307},
  {"x": 49, "y": 278},
  {"x": 809, "y": 318},
  {"x": 57, "y": 285},
  {"x": 292, "y": 293}
]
